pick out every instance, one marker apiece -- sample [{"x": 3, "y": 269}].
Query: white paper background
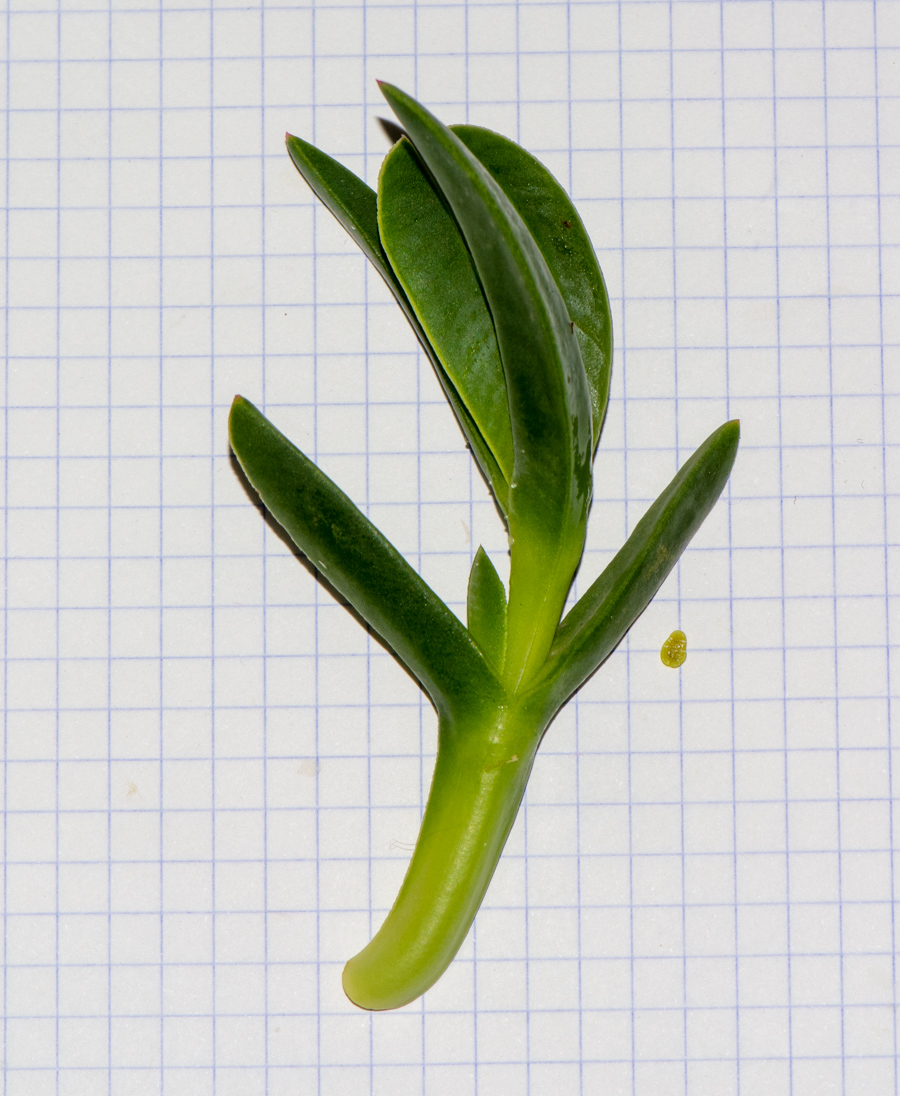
[{"x": 213, "y": 779}]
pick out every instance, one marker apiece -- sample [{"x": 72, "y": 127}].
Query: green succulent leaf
[
  {"x": 597, "y": 623},
  {"x": 559, "y": 232},
  {"x": 549, "y": 400},
  {"x": 351, "y": 200},
  {"x": 361, "y": 564},
  {"x": 486, "y": 609},
  {"x": 430, "y": 258},
  {"x": 431, "y": 261},
  {"x": 355, "y": 205}
]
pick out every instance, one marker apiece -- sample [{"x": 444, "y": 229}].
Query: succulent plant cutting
[{"x": 491, "y": 264}]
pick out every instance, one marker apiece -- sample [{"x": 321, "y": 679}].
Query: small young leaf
[
  {"x": 486, "y": 609},
  {"x": 594, "y": 627},
  {"x": 354, "y": 204},
  {"x": 362, "y": 565}
]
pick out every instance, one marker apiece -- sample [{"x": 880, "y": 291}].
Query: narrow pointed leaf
[
  {"x": 354, "y": 204},
  {"x": 349, "y": 198},
  {"x": 594, "y": 627},
  {"x": 486, "y": 607},
  {"x": 430, "y": 259},
  {"x": 549, "y": 401},
  {"x": 559, "y": 232},
  {"x": 361, "y": 564}
]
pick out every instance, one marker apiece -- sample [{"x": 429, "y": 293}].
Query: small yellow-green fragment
[{"x": 674, "y": 650}]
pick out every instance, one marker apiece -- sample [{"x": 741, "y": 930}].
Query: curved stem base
[{"x": 479, "y": 779}]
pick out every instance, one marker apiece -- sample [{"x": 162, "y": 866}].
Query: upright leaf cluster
[{"x": 492, "y": 266}]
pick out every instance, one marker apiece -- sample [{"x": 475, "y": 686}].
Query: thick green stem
[
  {"x": 539, "y": 580},
  {"x": 479, "y": 779}
]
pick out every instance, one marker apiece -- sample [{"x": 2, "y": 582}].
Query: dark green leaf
[
  {"x": 549, "y": 399},
  {"x": 433, "y": 264},
  {"x": 593, "y": 628},
  {"x": 351, "y": 200},
  {"x": 362, "y": 565},
  {"x": 487, "y": 609},
  {"x": 559, "y": 232},
  {"x": 354, "y": 204}
]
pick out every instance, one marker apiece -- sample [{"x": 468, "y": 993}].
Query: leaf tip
[
  {"x": 239, "y": 406},
  {"x": 391, "y": 93},
  {"x": 730, "y": 435}
]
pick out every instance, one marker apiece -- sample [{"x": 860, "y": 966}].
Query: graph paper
[{"x": 213, "y": 777}]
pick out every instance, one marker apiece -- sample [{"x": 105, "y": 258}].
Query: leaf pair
[
  {"x": 430, "y": 256},
  {"x": 460, "y": 668},
  {"x": 415, "y": 241}
]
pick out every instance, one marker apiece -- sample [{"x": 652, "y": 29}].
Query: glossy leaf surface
[{"x": 361, "y": 564}]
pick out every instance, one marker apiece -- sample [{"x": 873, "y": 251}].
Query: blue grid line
[
  {"x": 316, "y": 619},
  {"x": 313, "y": 8},
  {"x": 834, "y": 577},
  {"x": 368, "y": 680},
  {"x": 109, "y": 603},
  {"x": 423, "y": 774},
  {"x": 779, "y": 351},
  {"x": 6, "y": 190},
  {"x": 57, "y": 531},
  {"x": 161, "y": 228},
  {"x": 887, "y": 614},
  {"x": 729, "y": 493},
  {"x": 265, "y": 693},
  {"x": 577, "y": 713},
  {"x": 678, "y": 595},
  {"x": 627, "y": 641},
  {"x": 212, "y": 543},
  {"x": 472, "y": 495}
]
